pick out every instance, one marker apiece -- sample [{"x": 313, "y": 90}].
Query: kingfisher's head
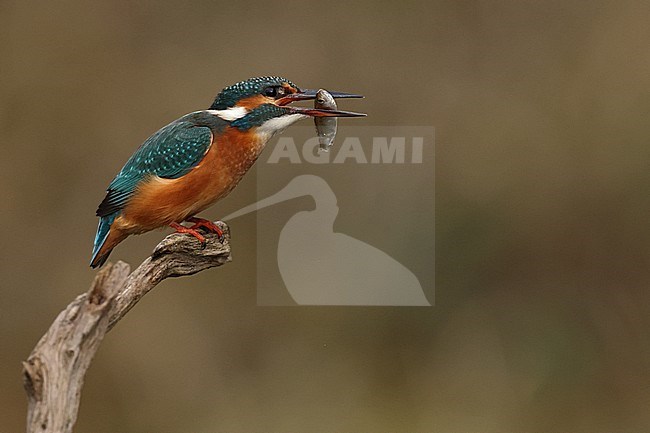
[{"x": 262, "y": 103}]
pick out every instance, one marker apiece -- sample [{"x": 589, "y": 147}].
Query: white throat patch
[
  {"x": 278, "y": 124},
  {"x": 231, "y": 113}
]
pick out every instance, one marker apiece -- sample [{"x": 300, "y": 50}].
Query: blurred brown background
[{"x": 542, "y": 229}]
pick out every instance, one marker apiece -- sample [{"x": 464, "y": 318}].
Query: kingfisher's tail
[{"x": 105, "y": 240}]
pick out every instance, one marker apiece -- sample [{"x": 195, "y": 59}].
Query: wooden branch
[{"x": 53, "y": 374}]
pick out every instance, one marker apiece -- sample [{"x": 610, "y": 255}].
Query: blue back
[{"x": 169, "y": 153}]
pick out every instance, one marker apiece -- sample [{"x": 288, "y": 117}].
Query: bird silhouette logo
[{"x": 322, "y": 267}]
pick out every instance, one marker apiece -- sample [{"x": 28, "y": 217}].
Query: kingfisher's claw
[
  {"x": 190, "y": 231},
  {"x": 206, "y": 224}
]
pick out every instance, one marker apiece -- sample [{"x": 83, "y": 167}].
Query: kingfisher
[{"x": 198, "y": 159}]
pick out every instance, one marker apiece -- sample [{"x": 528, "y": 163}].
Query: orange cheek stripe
[{"x": 253, "y": 102}]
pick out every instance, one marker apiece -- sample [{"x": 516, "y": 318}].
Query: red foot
[
  {"x": 206, "y": 224},
  {"x": 189, "y": 230}
]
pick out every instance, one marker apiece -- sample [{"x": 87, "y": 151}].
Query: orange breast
[{"x": 159, "y": 202}]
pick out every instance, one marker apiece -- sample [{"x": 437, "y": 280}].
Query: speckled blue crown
[{"x": 231, "y": 94}]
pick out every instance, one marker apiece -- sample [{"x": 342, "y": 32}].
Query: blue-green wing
[{"x": 169, "y": 153}]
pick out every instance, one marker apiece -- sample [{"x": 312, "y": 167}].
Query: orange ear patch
[{"x": 289, "y": 89}]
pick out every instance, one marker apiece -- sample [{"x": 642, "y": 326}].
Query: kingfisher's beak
[{"x": 309, "y": 94}]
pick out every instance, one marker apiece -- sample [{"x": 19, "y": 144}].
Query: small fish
[{"x": 325, "y": 126}]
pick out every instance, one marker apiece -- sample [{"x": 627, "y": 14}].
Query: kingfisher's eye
[{"x": 271, "y": 92}]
